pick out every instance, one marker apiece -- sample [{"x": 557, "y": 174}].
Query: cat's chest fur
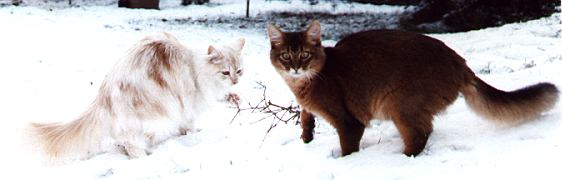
[{"x": 321, "y": 97}]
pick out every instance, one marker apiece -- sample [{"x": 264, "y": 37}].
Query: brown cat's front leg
[
  {"x": 350, "y": 132},
  {"x": 307, "y": 124}
]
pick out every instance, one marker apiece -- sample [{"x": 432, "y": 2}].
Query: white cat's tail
[{"x": 78, "y": 139}]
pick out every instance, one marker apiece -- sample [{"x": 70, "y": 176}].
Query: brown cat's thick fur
[{"x": 388, "y": 74}]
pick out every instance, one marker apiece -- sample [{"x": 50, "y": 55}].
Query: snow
[{"x": 52, "y": 61}]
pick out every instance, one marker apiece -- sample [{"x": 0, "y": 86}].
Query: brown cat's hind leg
[
  {"x": 307, "y": 125},
  {"x": 350, "y": 131},
  {"x": 415, "y": 130}
]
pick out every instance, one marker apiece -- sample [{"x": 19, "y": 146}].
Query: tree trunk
[
  {"x": 16, "y": 2},
  {"x": 143, "y": 4},
  {"x": 247, "y": 8},
  {"x": 188, "y": 2}
]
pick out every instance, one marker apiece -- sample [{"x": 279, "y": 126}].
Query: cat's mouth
[{"x": 296, "y": 73}]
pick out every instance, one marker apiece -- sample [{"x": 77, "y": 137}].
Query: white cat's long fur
[{"x": 151, "y": 95}]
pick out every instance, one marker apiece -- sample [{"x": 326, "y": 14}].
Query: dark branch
[{"x": 276, "y": 112}]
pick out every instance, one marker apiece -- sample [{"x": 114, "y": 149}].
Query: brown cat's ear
[
  {"x": 275, "y": 35},
  {"x": 213, "y": 55},
  {"x": 239, "y": 44},
  {"x": 313, "y": 33}
]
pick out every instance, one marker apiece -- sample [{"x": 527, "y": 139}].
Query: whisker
[{"x": 316, "y": 74}]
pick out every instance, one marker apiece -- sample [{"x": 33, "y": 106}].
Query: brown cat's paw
[
  {"x": 307, "y": 137},
  {"x": 233, "y": 99},
  {"x": 412, "y": 152}
]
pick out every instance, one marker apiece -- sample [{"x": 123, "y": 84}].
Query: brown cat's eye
[
  {"x": 285, "y": 56},
  {"x": 226, "y": 73},
  {"x": 305, "y": 55}
]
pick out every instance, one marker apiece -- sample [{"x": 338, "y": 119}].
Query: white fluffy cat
[{"x": 151, "y": 95}]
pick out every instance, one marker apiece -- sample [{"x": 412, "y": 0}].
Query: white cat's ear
[
  {"x": 275, "y": 35},
  {"x": 213, "y": 55},
  {"x": 314, "y": 32},
  {"x": 239, "y": 44}
]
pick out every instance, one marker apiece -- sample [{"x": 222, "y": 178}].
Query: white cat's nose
[{"x": 234, "y": 80}]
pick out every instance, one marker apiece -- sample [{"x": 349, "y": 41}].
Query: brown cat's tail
[
  {"x": 512, "y": 107},
  {"x": 62, "y": 142}
]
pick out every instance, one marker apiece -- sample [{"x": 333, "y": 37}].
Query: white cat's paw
[{"x": 134, "y": 152}]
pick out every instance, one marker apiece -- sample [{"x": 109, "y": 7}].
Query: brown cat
[{"x": 389, "y": 74}]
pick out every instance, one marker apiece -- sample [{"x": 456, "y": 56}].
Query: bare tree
[{"x": 464, "y": 15}]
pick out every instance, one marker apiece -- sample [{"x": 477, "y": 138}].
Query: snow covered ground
[{"x": 52, "y": 62}]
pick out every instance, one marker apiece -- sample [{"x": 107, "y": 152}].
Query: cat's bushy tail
[
  {"x": 61, "y": 142},
  {"x": 512, "y": 107}
]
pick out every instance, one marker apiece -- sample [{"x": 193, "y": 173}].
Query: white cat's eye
[
  {"x": 239, "y": 71},
  {"x": 285, "y": 56},
  {"x": 305, "y": 55},
  {"x": 226, "y": 73}
]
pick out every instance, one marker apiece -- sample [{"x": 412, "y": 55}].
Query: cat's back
[
  {"x": 393, "y": 53},
  {"x": 383, "y": 68},
  {"x": 394, "y": 44},
  {"x": 378, "y": 37}
]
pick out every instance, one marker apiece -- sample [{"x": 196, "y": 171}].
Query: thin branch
[{"x": 276, "y": 112}]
